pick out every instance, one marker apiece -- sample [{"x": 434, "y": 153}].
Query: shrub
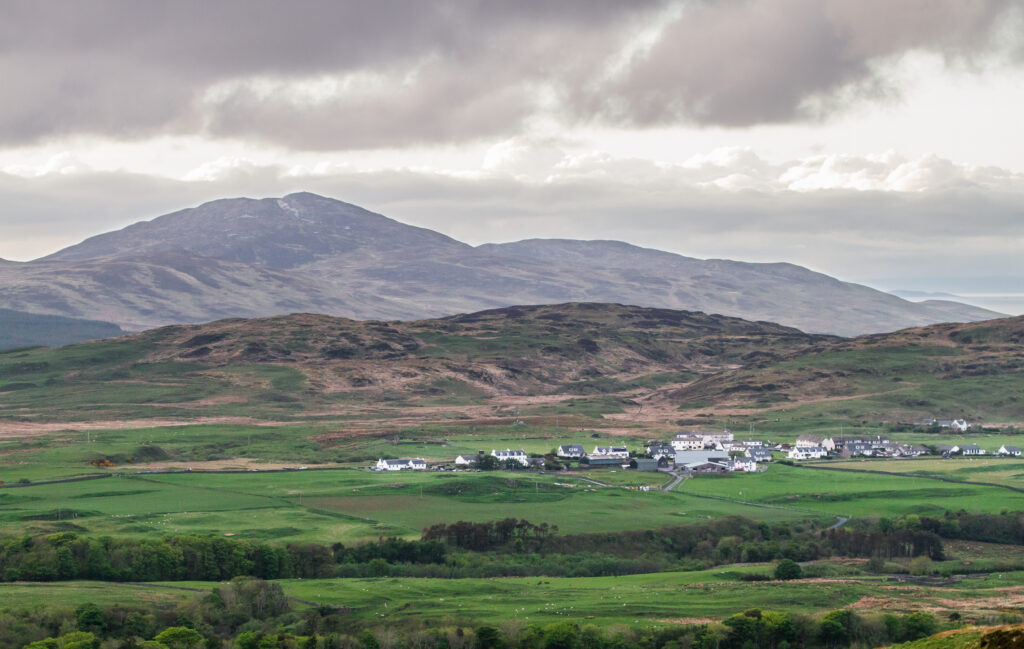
[{"x": 788, "y": 569}]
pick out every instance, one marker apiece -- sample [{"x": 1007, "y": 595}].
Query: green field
[
  {"x": 74, "y": 593},
  {"x": 854, "y": 494},
  {"x": 355, "y": 504},
  {"x": 651, "y": 599},
  {"x": 994, "y": 470},
  {"x": 352, "y": 504},
  {"x": 645, "y": 600}
]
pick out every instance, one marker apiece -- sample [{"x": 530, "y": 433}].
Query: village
[{"x": 704, "y": 452}]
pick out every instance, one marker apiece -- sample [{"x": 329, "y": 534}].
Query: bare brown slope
[{"x": 579, "y": 348}]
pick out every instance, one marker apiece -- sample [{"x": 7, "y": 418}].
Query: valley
[{"x": 257, "y": 436}]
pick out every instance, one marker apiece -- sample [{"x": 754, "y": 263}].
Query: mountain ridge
[{"x": 303, "y": 252}]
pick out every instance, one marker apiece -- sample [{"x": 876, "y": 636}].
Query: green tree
[
  {"x": 488, "y": 637},
  {"x": 561, "y": 635},
  {"x": 179, "y": 637},
  {"x": 919, "y": 625},
  {"x": 378, "y": 567},
  {"x": 90, "y": 618},
  {"x": 788, "y": 569}
]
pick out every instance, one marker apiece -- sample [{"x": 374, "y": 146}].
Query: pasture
[
  {"x": 642, "y": 600},
  {"x": 994, "y": 470},
  {"x": 854, "y": 494},
  {"x": 352, "y": 505},
  {"x": 348, "y": 505}
]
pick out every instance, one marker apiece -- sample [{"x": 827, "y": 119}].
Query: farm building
[
  {"x": 467, "y": 460},
  {"x": 601, "y": 460},
  {"x": 687, "y": 459},
  {"x": 643, "y": 464}
]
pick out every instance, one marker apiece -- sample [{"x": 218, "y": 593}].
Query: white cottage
[
  {"x": 404, "y": 464},
  {"x": 509, "y": 454}
]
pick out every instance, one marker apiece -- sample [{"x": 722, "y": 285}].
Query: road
[{"x": 672, "y": 485}]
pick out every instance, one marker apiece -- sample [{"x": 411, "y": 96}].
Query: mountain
[
  {"x": 19, "y": 329},
  {"x": 251, "y": 258}
]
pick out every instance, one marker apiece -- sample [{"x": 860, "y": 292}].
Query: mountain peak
[{"x": 286, "y": 232}]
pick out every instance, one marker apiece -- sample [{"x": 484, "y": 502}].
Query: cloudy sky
[{"x": 877, "y": 141}]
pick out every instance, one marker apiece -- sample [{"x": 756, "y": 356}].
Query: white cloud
[{"x": 63, "y": 164}]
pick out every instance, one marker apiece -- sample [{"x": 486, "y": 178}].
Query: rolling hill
[
  {"x": 949, "y": 370},
  {"x": 307, "y": 365},
  {"x": 612, "y": 365},
  {"x": 303, "y": 252}
]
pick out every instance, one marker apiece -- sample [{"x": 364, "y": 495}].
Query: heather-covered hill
[{"x": 949, "y": 370}]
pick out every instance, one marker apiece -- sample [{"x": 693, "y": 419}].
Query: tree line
[{"x": 508, "y": 547}]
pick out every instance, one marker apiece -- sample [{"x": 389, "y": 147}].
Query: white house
[
  {"x": 759, "y": 454},
  {"x": 570, "y": 451},
  {"x": 466, "y": 460},
  {"x": 972, "y": 449},
  {"x": 1009, "y": 450},
  {"x": 812, "y": 441},
  {"x": 807, "y": 453},
  {"x": 405, "y": 464},
  {"x": 688, "y": 442},
  {"x": 742, "y": 464},
  {"x": 956, "y": 424},
  {"x": 612, "y": 451},
  {"x": 508, "y": 454},
  {"x": 716, "y": 439},
  {"x": 660, "y": 450}
]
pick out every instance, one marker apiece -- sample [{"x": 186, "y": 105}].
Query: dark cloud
[
  {"x": 424, "y": 71},
  {"x": 744, "y": 62},
  {"x": 411, "y": 72}
]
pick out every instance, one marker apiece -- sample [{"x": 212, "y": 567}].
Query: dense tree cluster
[
  {"x": 1007, "y": 527},
  {"x": 67, "y": 556},
  {"x": 491, "y": 535}
]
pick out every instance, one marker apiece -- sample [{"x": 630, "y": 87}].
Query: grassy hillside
[{"x": 944, "y": 371}]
